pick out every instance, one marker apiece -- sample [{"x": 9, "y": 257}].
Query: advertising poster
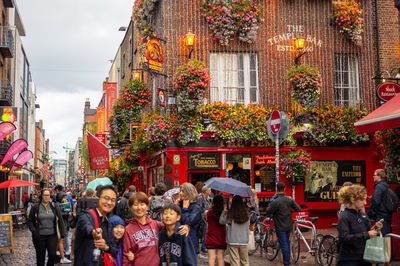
[
  {"x": 327, "y": 177},
  {"x": 101, "y": 123}
]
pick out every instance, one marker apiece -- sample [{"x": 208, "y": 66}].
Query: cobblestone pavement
[{"x": 24, "y": 253}]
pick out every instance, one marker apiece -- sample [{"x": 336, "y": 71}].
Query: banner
[
  {"x": 22, "y": 159},
  {"x": 101, "y": 123},
  {"x": 15, "y": 148},
  {"x": 98, "y": 153},
  {"x": 111, "y": 91},
  {"x": 6, "y": 128}
]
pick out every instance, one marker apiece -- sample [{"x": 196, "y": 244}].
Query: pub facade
[{"x": 251, "y": 68}]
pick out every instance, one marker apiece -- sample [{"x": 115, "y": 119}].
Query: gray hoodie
[{"x": 237, "y": 234}]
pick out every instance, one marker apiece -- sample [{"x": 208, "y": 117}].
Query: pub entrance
[{"x": 202, "y": 176}]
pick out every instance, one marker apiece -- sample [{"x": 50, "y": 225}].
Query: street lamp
[
  {"x": 136, "y": 75},
  {"x": 299, "y": 44},
  {"x": 189, "y": 42}
]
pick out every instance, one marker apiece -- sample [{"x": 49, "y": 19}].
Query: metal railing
[
  {"x": 6, "y": 41},
  {"x": 6, "y": 92}
]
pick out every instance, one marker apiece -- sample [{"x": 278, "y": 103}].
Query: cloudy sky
[{"x": 68, "y": 44}]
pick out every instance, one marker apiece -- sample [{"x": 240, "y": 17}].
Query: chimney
[{"x": 87, "y": 104}]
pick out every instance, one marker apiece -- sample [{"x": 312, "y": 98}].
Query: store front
[{"x": 255, "y": 165}]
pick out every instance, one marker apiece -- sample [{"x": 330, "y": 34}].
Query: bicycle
[
  {"x": 327, "y": 250},
  {"x": 297, "y": 234},
  {"x": 259, "y": 235},
  {"x": 271, "y": 243}
]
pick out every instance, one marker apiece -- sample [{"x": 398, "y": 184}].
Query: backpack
[
  {"x": 156, "y": 208},
  {"x": 391, "y": 201},
  {"x": 124, "y": 211}
]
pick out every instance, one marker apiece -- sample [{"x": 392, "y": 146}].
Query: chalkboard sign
[{"x": 6, "y": 237}]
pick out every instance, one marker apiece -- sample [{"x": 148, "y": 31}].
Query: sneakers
[{"x": 65, "y": 261}]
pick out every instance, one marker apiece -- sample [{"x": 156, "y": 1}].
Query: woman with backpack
[
  {"x": 157, "y": 202},
  {"x": 238, "y": 221},
  {"x": 47, "y": 226},
  {"x": 191, "y": 213},
  {"x": 216, "y": 232}
]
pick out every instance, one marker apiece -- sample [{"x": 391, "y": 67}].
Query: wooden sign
[{"x": 6, "y": 233}]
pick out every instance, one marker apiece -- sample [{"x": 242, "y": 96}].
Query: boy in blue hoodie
[{"x": 174, "y": 249}]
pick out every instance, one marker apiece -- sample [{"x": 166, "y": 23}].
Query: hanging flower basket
[
  {"x": 229, "y": 18},
  {"x": 389, "y": 141},
  {"x": 347, "y": 16},
  {"x": 191, "y": 84},
  {"x": 304, "y": 83},
  {"x": 296, "y": 165}
]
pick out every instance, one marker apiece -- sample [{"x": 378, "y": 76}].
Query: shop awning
[{"x": 385, "y": 117}]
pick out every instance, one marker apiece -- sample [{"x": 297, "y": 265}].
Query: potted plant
[
  {"x": 347, "y": 16},
  {"x": 304, "y": 83},
  {"x": 296, "y": 165}
]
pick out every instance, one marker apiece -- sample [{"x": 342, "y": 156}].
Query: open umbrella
[
  {"x": 229, "y": 185},
  {"x": 99, "y": 181},
  {"x": 15, "y": 182},
  {"x": 172, "y": 192}
]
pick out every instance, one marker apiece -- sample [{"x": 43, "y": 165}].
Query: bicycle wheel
[
  {"x": 315, "y": 246},
  {"x": 271, "y": 245},
  {"x": 327, "y": 251},
  {"x": 295, "y": 247}
]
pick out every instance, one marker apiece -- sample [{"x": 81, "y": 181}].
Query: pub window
[
  {"x": 264, "y": 172},
  {"x": 239, "y": 167},
  {"x": 346, "y": 80},
  {"x": 234, "y": 78}
]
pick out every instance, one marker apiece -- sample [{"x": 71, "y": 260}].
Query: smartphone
[{"x": 374, "y": 227}]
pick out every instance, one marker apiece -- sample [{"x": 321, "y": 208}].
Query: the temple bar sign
[
  {"x": 284, "y": 41},
  {"x": 204, "y": 160}
]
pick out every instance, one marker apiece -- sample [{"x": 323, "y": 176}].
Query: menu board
[
  {"x": 6, "y": 233},
  {"x": 327, "y": 177},
  {"x": 264, "y": 169}
]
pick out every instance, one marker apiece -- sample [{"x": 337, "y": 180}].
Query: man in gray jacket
[{"x": 281, "y": 210}]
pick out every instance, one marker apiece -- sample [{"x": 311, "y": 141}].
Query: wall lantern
[
  {"x": 189, "y": 42},
  {"x": 136, "y": 75},
  {"x": 384, "y": 75},
  {"x": 299, "y": 44}
]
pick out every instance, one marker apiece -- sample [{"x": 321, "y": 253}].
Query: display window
[{"x": 264, "y": 172}]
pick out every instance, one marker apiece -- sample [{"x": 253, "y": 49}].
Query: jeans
[
  {"x": 283, "y": 238},
  {"x": 42, "y": 244},
  {"x": 68, "y": 238}
]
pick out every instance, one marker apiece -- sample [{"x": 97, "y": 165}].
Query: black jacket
[
  {"x": 122, "y": 208},
  {"x": 352, "y": 234},
  {"x": 377, "y": 209},
  {"x": 84, "y": 245},
  {"x": 178, "y": 248},
  {"x": 281, "y": 210},
  {"x": 33, "y": 222}
]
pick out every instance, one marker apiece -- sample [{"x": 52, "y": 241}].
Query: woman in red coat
[{"x": 216, "y": 232}]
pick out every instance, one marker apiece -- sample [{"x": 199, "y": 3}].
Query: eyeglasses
[
  {"x": 46, "y": 195},
  {"x": 106, "y": 198}
]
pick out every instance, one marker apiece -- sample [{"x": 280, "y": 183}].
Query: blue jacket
[
  {"x": 178, "y": 248},
  {"x": 84, "y": 245},
  {"x": 192, "y": 217},
  {"x": 377, "y": 209}
]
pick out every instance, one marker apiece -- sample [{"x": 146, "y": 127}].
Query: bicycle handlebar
[{"x": 393, "y": 235}]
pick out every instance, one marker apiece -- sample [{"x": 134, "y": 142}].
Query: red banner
[
  {"x": 101, "y": 123},
  {"x": 15, "y": 148},
  {"x": 98, "y": 153},
  {"x": 101, "y": 137},
  {"x": 6, "y": 128},
  {"x": 22, "y": 159},
  {"x": 111, "y": 96}
]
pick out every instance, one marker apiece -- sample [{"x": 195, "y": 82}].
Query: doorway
[{"x": 203, "y": 176}]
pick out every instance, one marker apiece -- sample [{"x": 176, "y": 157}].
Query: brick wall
[{"x": 310, "y": 19}]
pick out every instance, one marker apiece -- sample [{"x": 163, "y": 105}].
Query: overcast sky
[{"x": 68, "y": 44}]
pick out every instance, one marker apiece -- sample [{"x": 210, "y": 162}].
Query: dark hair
[
  {"x": 199, "y": 185},
  {"x": 160, "y": 189},
  {"x": 139, "y": 196},
  {"x": 41, "y": 193},
  {"x": 238, "y": 211},
  {"x": 280, "y": 187},
  {"x": 173, "y": 207},
  {"x": 152, "y": 191},
  {"x": 217, "y": 207},
  {"x": 99, "y": 190},
  {"x": 59, "y": 187}
]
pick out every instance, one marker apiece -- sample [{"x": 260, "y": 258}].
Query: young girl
[
  {"x": 216, "y": 232},
  {"x": 237, "y": 219},
  {"x": 118, "y": 226},
  {"x": 354, "y": 226}
]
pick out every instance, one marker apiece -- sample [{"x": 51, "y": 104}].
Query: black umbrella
[{"x": 229, "y": 185}]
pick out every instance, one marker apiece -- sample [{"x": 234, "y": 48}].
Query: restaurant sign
[
  {"x": 327, "y": 177},
  {"x": 154, "y": 55},
  {"x": 387, "y": 91},
  {"x": 204, "y": 160}
]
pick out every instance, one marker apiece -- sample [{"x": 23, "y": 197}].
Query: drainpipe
[{"x": 377, "y": 38}]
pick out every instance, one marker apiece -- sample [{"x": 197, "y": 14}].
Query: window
[
  {"x": 346, "y": 80},
  {"x": 234, "y": 78}
]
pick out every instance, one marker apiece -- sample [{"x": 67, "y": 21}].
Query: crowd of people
[{"x": 175, "y": 227}]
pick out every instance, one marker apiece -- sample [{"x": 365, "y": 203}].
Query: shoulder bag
[{"x": 377, "y": 250}]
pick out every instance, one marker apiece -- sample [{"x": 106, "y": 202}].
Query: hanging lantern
[
  {"x": 257, "y": 172},
  {"x": 230, "y": 166},
  {"x": 240, "y": 164}
]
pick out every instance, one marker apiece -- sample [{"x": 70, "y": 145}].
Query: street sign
[
  {"x": 275, "y": 122},
  {"x": 283, "y": 133}
]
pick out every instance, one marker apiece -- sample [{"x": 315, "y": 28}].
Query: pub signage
[
  {"x": 327, "y": 177},
  {"x": 154, "y": 54},
  {"x": 387, "y": 91},
  {"x": 204, "y": 160}
]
